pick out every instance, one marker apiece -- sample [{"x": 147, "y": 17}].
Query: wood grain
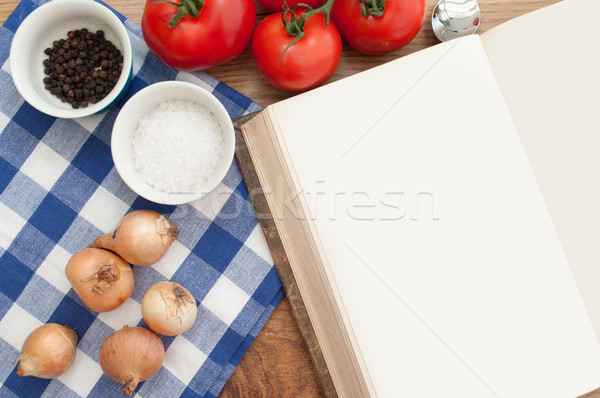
[{"x": 278, "y": 363}]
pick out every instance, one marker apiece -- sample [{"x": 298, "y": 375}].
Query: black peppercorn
[{"x": 83, "y": 68}]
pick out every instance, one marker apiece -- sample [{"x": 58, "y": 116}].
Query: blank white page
[
  {"x": 548, "y": 67},
  {"x": 443, "y": 251}
]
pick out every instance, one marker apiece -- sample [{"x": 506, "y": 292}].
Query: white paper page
[
  {"x": 548, "y": 67},
  {"x": 445, "y": 256}
]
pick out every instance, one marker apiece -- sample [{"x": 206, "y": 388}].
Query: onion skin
[
  {"x": 131, "y": 355},
  {"x": 101, "y": 279},
  {"x": 48, "y": 351},
  {"x": 141, "y": 238},
  {"x": 168, "y": 308}
]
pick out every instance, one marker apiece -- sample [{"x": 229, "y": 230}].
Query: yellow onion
[
  {"x": 131, "y": 355},
  {"x": 168, "y": 308},
  {"x": 141, "y": 238},
  {"x": 47, "y": 352},
  {"x": 101, "y": 279}
]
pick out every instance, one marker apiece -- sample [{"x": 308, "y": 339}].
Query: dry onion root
[
  {"x": 168, "y": 308},
  {"x": 141, "y": 238},
  {"x": 48, "y": 351},
  {"x": 101, "y": 279},
  {"x": 131, "y": 355}
]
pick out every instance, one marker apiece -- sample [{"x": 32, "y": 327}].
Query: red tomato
[
  {"x": 399, "y": 24},
  {"x": 306, "y": 63},
  {"x": 218, "y": 34},
  {"x": 277, "y": 5}
]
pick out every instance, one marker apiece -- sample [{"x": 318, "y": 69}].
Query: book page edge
[{"x": 291, "y": 217}]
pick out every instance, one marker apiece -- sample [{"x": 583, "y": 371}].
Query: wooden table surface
[{"x": 277, "y": 363}]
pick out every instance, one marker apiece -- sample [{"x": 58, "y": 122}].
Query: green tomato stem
[
  {"x": 324, "y": 9},
  {"x": 295, "y": 26},
  {"x": 372, "y": 7},
  {"x": 186, "y": 7}
]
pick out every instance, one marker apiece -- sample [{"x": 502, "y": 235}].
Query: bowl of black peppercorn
[{"x": 71, "y": 58}]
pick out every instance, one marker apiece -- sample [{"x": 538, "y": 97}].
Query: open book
[{"x": 441, "y": 213}]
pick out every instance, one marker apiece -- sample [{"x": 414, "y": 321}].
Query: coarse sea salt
[{"x": 178, "y": 146}]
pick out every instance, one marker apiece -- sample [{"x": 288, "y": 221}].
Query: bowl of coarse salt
[{"x": 173, "y": 142}]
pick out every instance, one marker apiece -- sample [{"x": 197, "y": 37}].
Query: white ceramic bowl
[
  {"x": 127, "y": 123},
  {"x": 50, "y": 22}
]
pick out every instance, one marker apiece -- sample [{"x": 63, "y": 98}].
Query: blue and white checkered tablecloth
[{"x": 59, "y": 190}]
